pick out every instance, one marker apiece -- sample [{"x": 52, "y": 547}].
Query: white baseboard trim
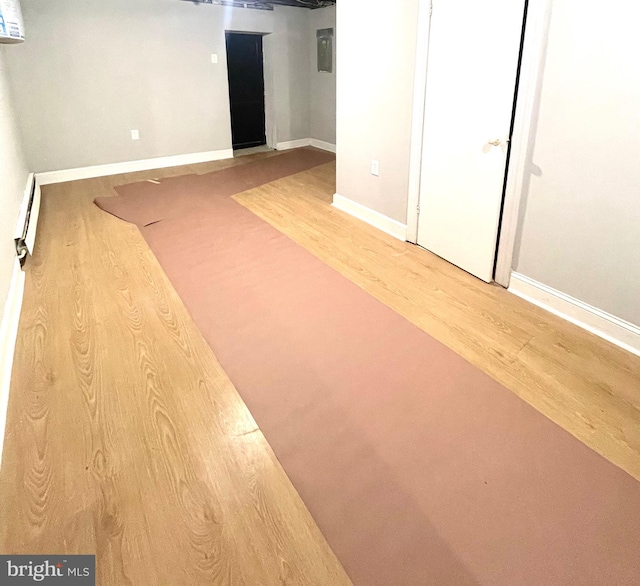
[
  {"x": 598, "y": 322},
  {"x": 50, "y": 177},
  {"x": 8, "y": 335},
  {"x": 303, "y": 142},
  {"x": 389, "y": 226},
  {"x": 293, "y": 144},
  {"x": 321, "y": 144}
]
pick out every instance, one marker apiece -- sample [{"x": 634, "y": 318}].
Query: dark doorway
[{"x": 246, "y": 89}]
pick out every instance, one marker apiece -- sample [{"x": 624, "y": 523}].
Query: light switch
[
  {"x": 375, "y": 168},
  {"x": 214, "y": 58},
  {"x": 135, "y": 135}
]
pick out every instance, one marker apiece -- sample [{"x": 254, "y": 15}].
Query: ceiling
[
  {"x": 303, "y": 3},
  {"x": 268, "y": 4}
]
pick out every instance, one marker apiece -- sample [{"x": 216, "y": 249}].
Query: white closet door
[{"x": 471, "y": 78}]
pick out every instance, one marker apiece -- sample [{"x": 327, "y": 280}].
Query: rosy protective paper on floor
[
  {"x": 145, "y": 202},
  {"x": 417, "y": 466}
]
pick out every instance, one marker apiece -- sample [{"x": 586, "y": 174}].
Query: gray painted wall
[
  {"x": 375, "y": 101},
  {"x": 13, "y": 179},
  {"x": 291, "y": 57},
  {"x": 322, "y": 85},
  {"x": 91, "y": 71},
  {"x": 580, "y": 224}
]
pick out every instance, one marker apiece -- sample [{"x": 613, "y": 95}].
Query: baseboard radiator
[{"x": 25, "y": 236}]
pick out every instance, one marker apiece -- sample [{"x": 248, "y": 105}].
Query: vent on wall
[{"x": 11, "y": 23}]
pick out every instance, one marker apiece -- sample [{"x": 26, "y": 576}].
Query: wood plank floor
[{"x": 125, "y": 437}]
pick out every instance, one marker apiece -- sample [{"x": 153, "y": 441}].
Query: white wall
[
  {"x": 375, "y": 77},
  {"x": 580, "y": 220},
  {"x": 322, "y": 101},
  {"x": 13, "y": 179},
  {"x": 91, "y": 71}
]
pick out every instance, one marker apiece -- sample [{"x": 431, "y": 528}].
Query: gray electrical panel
[{"x": 325, "y": 50}]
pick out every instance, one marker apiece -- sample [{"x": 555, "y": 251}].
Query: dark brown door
[{"x": 246, "y": 89}]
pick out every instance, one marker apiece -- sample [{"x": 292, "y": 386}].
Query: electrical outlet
[
  {"x": 375, "y": 168},
  {"x": 214, "y": 58},
  {"x": 135, "y": 135}
]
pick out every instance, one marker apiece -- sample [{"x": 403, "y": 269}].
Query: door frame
[
  {"x": 522, "y": 140},
  {"x": 268, "y": 55},
  {"x": 417, "y": 125}
]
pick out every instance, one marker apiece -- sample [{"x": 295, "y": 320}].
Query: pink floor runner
[
  {"x": 173, "y": 196},
  {"x": 417, "y": 467}
]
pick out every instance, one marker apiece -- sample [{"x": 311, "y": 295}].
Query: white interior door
[{"x": 471, "y": 78}]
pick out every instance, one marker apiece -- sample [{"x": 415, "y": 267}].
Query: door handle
[{"x": 496, "y": 142}]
